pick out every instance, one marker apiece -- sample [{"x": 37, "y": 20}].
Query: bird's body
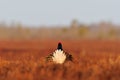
[{"x": 59, "y": 56}]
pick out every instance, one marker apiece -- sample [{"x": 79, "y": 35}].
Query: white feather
[{"x": 59, "y": 56}]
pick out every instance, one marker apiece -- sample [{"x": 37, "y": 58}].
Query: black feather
[
  {"x": 69, "y": 57},
  {"x": 59, "y": 46}
]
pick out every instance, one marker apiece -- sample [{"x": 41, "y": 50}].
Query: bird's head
[{"x": 59, "y": 46}]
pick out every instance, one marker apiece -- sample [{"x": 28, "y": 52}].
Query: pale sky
[{"x": 54, "y": 12}]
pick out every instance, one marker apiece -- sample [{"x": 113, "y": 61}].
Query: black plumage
[{"x": 59, "y": 47}]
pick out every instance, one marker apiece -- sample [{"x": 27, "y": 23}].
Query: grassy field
[{"x": 93, "y": 60}]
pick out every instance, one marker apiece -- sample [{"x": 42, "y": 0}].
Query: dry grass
[{"x": 101, "y": 63}]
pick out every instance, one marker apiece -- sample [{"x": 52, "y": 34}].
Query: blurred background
[{"x": 63, "y": 19}]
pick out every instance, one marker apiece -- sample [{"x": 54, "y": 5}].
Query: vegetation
[
  {"x": 20, "y": 61},
  {"x": 74, "y": 31},
  {"x": 83, "y": 31}
]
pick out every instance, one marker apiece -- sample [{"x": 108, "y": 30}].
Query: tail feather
[
  {"x": 59, "y": 55},
  {"x": 69, "y": 57}
]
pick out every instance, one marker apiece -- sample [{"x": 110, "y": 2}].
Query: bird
[{"x": 59, "y": 56}]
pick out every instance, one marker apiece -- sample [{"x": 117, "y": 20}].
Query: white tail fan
[{"x": 59, "y": 56}]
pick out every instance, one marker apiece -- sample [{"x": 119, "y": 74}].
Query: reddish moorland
[{"x": 93, "y": 60}]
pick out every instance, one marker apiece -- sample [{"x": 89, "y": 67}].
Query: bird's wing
[
  {"x": 49, "y": 57},
  {"x": 69, "y": 57}
]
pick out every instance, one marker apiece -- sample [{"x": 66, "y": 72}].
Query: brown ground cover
[{"x": 93, "y": 60}]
